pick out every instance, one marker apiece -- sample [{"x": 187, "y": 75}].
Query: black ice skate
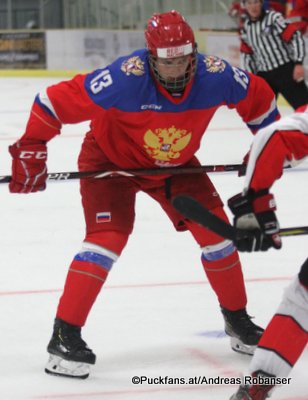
[
  {"x": 69, "y": 354},
  {"x": 253, "y": 392},
  {"x": 243, "y": 332}
]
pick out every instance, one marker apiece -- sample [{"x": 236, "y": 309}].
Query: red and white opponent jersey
[{"x": 283, "y": 142}]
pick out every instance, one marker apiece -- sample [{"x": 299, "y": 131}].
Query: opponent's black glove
[{"x": 254, "y": 216}]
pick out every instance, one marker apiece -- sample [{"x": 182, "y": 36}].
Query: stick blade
[{"x": 193, "y": 210}]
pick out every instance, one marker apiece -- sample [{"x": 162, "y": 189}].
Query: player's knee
[
  {"x": 113, "y": 241},
  {"x": 97, "y": 255},
  {"x": 218, "y": 251},
  {"x": 102, "y": 248}
]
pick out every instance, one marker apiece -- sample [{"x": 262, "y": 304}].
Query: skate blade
[
  {"x": 238, "y": 346},
  {"x": 69, "y": 369}
]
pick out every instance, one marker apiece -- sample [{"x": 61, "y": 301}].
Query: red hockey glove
[
  {"x": 254, "y": 215},
  {"x": 29, "y": 170}
]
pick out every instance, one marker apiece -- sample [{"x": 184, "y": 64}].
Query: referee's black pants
[{"x": 281, "y": 81}]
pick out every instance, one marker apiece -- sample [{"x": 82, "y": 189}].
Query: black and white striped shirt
[{"x": 270, "y": 42}]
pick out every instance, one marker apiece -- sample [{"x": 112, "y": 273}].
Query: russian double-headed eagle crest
[
  {"x": 133, "y": 65},
  {"x": 166, "y": 144},
  {"x": 214, "y": 64}
]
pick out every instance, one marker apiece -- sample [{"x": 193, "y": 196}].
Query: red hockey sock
[
  {"x": 83, "y": 283},
  {"x": 285, "y": 337},
  {"x": 226, "y": 278}
]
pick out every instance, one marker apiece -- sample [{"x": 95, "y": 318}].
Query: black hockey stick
[
  {"x": 193, "y": 210},
  {"x": 63, "y": 176}
]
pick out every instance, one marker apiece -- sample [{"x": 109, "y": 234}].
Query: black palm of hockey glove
[{"x": 254, "y": 215}]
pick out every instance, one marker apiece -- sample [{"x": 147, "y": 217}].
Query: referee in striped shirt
[{"x": 273, "y": 49}]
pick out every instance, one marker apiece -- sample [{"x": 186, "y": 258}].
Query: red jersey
[
  {"x": 137, "y": 123},
  {"x": 285, "y": 141},
  {"x": 299, "y": 15}
]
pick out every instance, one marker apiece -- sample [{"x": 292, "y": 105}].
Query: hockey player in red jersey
[
  {"x": 286, "y": 336},
  {"x": 148, "y": 109},
  {"x": 298, "y": 15}
]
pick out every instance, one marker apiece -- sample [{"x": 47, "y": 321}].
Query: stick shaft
[{"x": 62, "y": 176}]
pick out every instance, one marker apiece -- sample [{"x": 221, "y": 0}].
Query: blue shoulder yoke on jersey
[{"x": 127, "y": 85}]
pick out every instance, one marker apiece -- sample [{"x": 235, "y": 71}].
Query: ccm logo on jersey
[
  {"x": 150, "y": 107},
  {"x": 39, "y": 155}
]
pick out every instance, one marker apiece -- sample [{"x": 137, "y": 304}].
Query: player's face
[
  {"x": 254, "y": 8},
  {"x": 172, "y": 68}
]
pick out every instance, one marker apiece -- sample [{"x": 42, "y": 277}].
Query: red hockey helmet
[{"x": 169, "y": 36}]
